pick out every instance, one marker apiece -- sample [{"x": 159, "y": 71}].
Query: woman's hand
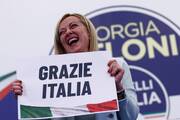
[
  {"x": 17, "y": 87},
  {"x": 117, "y": 71}
]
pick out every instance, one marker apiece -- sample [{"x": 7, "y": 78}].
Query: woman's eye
[
  {"x": 61, "y": 33},
  {"x": 73, "y": 26}
]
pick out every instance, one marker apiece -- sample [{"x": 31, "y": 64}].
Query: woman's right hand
[{"x": 17, "y": 87}]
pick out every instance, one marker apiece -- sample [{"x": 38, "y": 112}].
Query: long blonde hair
[{"x": 58, "y": 48}]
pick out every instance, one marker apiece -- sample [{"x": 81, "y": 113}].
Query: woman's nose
[{"x": 68, "y": 31}]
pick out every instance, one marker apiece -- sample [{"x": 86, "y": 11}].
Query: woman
[{"x": 75, "y": 33}]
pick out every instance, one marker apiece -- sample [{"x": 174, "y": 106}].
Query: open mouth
[{"x": 73, "y": 41}]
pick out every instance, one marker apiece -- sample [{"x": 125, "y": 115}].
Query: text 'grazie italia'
[{"x": 65, "y": 71}]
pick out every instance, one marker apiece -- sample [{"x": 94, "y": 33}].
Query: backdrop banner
[{"x": 145, "y": 33}]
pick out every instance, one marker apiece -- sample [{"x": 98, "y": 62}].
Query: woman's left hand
[{"x": 117, "y": 71}]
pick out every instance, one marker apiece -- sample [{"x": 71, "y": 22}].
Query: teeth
[{"x": 72, "y": 40}]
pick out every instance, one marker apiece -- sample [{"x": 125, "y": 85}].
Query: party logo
[{"x": 148, "y": 39}]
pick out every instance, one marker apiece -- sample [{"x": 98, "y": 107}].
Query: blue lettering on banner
[
  {"x": 59, "y": 72},
  {"x": 152, "y": 95},
  {"x": 144, "y": 38},
  {"x": 60, "y": 89}
]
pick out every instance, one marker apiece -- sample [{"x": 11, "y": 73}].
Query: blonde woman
[{"x": 75, "y": 33}]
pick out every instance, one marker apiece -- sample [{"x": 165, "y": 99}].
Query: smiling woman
[{"x": 74, "y": 34}]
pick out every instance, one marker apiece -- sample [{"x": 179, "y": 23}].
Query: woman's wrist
[
  {"x": 121, "y": 94},
  {"x": 119, "y": 86}
]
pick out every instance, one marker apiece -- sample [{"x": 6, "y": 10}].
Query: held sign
[{"x": 66, "y": 85}]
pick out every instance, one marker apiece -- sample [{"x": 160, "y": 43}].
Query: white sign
[{"x": 66, "y": 85}]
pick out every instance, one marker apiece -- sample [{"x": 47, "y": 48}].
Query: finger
[
  {"x": 119, "y": 76},
  {"x": 111, "y": 61},
  {"x": 115, "y": 70},
  {"x": 112, "y": 64},
  {"x": 110, "y": 69},
  {"x": 17, "y": 85},
  {"x": 17, "y": 81},
  {"x": 17, "y": 88},
  {"x": 18, "y": 92}
]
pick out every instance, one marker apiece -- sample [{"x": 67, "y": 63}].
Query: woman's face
[{"x": 73, "y": 35}]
